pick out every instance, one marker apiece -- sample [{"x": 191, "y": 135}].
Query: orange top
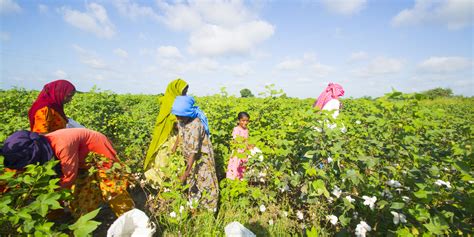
[
  {"x": 71, "y": 146},
  {"x": 48, "y": 120}
]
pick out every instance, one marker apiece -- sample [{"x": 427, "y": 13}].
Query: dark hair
[{"x": 242, "y": 114}]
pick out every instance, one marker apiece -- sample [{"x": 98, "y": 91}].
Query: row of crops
[{"x": 395, "y": 165}]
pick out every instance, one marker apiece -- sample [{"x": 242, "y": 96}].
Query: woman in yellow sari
[{"x": 164, "y": 133}]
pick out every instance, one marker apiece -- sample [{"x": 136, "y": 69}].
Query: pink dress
[{"x": 236, "y": 167}]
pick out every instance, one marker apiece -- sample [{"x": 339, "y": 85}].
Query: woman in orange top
[
  {"x": 71, "y": 147},
  {"x": 47, "y": 112}
]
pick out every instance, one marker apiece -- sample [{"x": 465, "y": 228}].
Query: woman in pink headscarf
[
  {"x": 47, "y": 112},
  {"x": 329, "y": 98}
]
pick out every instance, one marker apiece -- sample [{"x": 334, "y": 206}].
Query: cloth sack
[
  {"x": 235, "y": 229},
  {"x": 133, "y": 223}
]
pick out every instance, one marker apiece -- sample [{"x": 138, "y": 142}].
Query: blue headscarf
[
  {"x": 23, "y": 148},
  {"x": 184, "y": 106}
]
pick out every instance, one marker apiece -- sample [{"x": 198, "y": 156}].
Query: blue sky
[{"x": 130, "y": 46}]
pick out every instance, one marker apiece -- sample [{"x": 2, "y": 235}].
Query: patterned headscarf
[
  {"x": 23, "y": 148},
  {"x": 332, "y": 91},
  {"x": 184, "y": 106},
  {"x": 52, "y": 95}
]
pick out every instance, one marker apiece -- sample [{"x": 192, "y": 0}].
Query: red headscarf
[
  {"x": 52, "y": 95},
  {"x": 333, "y": 91}
]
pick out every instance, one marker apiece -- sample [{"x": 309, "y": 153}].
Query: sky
[{"x": 128, "y": 46}]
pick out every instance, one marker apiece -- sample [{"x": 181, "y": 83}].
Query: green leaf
[
  {"x": 320, "y": 188},
  {"x": 397, "y": 205},
  {"x": 422, "y": 194},
  {"x": 84, "y": 226}
]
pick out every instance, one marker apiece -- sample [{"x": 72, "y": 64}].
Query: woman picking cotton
[
  {"x": 164, "y": 133},
  {"x": 47, "y": 112},
  {"x": 329, "y": 99},
  {"x": 200, "y": 172},
  {"x": 71, "y": 147}
]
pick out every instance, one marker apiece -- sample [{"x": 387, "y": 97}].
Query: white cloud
[
  {"x": 344, "y": 7},
  {"x": 169, "y": 52},
  {"x": 121, "y": 53},
  {"x": 290, "y": 64},
  {"x": 134, "y": 11},
  {"x": 4, "y": 36},
  {"x": 217, "y": 27},
  {"x": 358, "y": 56},
  {"x": 380, "y": 66},
  {"x": 454, "y": 14},
  {"x": 9, "y": 6},
  {"x": 60, "y": 74},
  {"x": 240, "y": 70},
  {"x": 214, "y": 40},
  {"x": 320, "y": 70},
  {"x": 90, "y": 58},
  {"x": 43, "y": 8},
  {"x": 94, "y": 20},
  {"x": 445, "y": 64}
]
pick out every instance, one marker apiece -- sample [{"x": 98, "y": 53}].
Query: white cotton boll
[
  {"x": 394, "y": 184},
  {"x": 336, "y": 192},
  {"x": 330, "y": 199},
  {"x": 317, "y": 129},
  {"x": 332, "y": 126},
  {"x": 173, "y": 214},
  {"x": 405, "y": 199},
  {"x": 181, "y": 209},
  {"x": 332, "y": 219},
  {"x": 443, "y": 183},
  {"x": 299, "y": 214},
  {"x": 254, "y": 151},
  {"x": 362, "y": 229},
  {"x": 262, "y": 208},
  {"x": 350, "y": 199},
  {"x": 285, "y": 214},
  {"x": 166, "y": 190},
  {"x": 370, "y": 201},
  {"x": 358, "y": 122},
  {"x": 398, "y": 217},
  {"x": 270, "y": 222},
  {"x": 329, "y": 160}
]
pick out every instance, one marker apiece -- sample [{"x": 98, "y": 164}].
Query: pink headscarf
[
  {"x": 52, "y": 95},
  {"x": 333, "y": 91}
]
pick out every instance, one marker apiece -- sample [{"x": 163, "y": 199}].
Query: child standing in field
[{"x": 236, "y": 167}]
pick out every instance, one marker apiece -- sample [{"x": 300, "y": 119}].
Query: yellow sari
[{"x": 165, "y": 121}]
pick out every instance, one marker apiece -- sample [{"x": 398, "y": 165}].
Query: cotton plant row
[{"x": 394, "y": 165}]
